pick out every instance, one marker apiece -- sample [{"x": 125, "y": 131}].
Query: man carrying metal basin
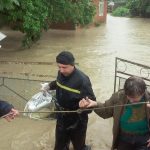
[{"x": 71, "y": 86}]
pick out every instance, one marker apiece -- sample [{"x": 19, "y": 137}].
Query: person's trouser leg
[
  {"x": 62, "y": 140},
  {"x": 78, "y": 136},
  {"x": 125, "y": 146},
  {"x": 143, "y": 147},
  {"x": 141, "y": 142},
  {"x": 133, "y": 142}
]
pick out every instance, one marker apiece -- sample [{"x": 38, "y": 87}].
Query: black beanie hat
[{"x": 65, "y": 58}]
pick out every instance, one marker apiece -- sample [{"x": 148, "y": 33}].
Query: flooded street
[{"x": 95, "y": 50}]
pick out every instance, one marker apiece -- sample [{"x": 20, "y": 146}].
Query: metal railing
[
  {"x": 23, "y": 77},
  {"x": 125, "y": 69}
]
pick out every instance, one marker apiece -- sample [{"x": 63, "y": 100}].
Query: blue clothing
[{"x": 5, "y": 108}]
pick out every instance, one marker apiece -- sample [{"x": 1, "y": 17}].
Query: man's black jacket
[{"x": 71, "y": 89}]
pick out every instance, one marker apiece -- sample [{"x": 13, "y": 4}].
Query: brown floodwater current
[{"x": 95, "y": 50}]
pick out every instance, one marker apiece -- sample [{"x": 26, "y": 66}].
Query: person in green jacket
[{"x": 131, "y": 127}]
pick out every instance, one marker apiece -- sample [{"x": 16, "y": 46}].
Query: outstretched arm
[{"x": 7, "y": 111}]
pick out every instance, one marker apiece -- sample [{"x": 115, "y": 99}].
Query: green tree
[
  {"x": 139, "y": 7},
  {"x": 8, "y": 4},
  {"x": 33, "y": 16}
]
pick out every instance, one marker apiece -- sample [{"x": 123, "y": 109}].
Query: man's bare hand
[
  {"x": 87, "y": 103},
  {"x": 11, "y": 115}
]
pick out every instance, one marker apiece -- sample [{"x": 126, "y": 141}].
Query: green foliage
[
  {"x": 34, "y": 19},
  {"x": 117, "y": 1},
  {"x": 5, "y": 7},
  {"x": 29, "y": 18},
  {"x": 148, "y": 10},
  {"x": 139, "y": 7},
  {"x": 78, "y": 12},
  {"x": 8, "y": 4},
  {"x": 121, "y": 12},
  {"x": 33, "y": 16}
]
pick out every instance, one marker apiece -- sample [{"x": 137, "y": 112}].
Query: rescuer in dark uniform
[{"x": 71, "y": 86}]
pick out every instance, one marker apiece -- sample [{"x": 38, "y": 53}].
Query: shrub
[
  {"x": 121, "y": 12},
  {"x": 33, "y": 16}
]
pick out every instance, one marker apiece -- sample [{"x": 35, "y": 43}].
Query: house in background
[
  {"x": 101, "y": 16},
  {"x": 101, "y": 11}
]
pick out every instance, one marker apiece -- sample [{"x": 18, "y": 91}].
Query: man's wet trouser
[
  {"x": 70, "y": 128},
  {"x": 133, "y": 142}
]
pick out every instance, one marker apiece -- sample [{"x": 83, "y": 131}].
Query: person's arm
[
  {"x": 87, "y": 92},
  {"x": 106, "y": 109},
  {"x": 7, "y": 111},
  {"x": 103, "y": 110},
  {"x": 52, "y": 85},
  {"x": 148, "y": 143},
  {"x": 49, "y": 86},
  {"x": 5, "y": 108}
]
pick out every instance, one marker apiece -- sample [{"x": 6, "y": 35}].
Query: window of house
[{"x": 101, "y": 8}]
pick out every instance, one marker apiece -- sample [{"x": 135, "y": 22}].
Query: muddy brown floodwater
[{"x": 95, "y": 50}]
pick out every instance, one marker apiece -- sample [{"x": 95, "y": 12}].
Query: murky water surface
[{"x": 95, "y": 50}]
